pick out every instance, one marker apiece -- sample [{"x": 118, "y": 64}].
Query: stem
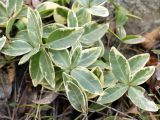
[
  {"x": 114, "y": 4},
  {"x": 133, "y": 16},
  {"x": 38, "y": 107},
  {"x": 79, "y": 117},
  {"x": 114, "y": 34},
  {"x": 119, "y": 46}
]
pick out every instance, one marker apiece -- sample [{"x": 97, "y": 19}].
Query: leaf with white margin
[
  {"x": 87, "y": 80},
  {"x": 138, "y": 61},
  {"x": 84, "y": 3},
  {"x": 76, "y": 97},
  {"x": 142, "y": 76},
  {"x": 136, "y": 95},
  {"x": 89, "y": 56},
  {"x": 76, "y": 56},
  {"x": 2, "y": 42},
  {"x": 64, "y": 38},
  {"x": 27, "y": 56},
  {"x": 34, "y": 27},
  {"x": 93, "y": 32},
  {"x": 34, "y": 70},
  {"x": 99, "y": 11},
  {"x": 72, "y": 20},
  {"x": 61, "y": 58},
  {"x": 113, "y": 93},
  {"x": 97, "y": 2},
  {"x": 120, "y": 66},
  {"x": 16, "y": 48},
  {"x": 47, "y": 68}
]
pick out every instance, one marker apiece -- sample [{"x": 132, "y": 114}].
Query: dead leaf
[
  {"x": 152, "y": 116},
  {"x": 151, "y": 38},
  {"x": 11, "y": 72},
  {"x": 133, "y": 110}
]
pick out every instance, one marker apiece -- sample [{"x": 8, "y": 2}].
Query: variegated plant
[
  {"x": 65, "y": 55},
  {"x": 127, "y": 75}
]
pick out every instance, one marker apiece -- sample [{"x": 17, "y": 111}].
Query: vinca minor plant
[{"x": 66, "y": 54}]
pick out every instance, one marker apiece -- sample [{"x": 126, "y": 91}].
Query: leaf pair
[
  {"x": 40, "y": 68},
  {"x": 75, "y": 94},
  {"x": 130, "y": 73},
  {"x": 85, "y": 81}
]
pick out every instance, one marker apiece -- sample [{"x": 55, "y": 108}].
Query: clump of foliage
[{"x": 66, "y": 54}]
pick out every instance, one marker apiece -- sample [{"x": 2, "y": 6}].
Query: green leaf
[
  {"x": 76, "y": 56},
  {"x": 26, "y": 57},
  {"x": 68, "y": 78},
  {"x": 9, "y": 25},
  {"x": 100, "y": 44},
  {"x": 2, "y": 42},
  {"x": 121, "y": 32},
  {"x": 93, "y": 32},
  {"x": 63, "y": 38},
  {"x": 120, "y": 66},
  {"x": 49, "y": 28},
  {"x": 16, "y": 48},
  {"x": 60, "y": 14},
  {"x": 22, "y": 35},
  {"x": 121, "y": 16},
  {"x": 12, "y": 20},
  {"x": 99, "y": 73},
  {"x": 47, "y": 68},
  {"x": 46, "y": 9},
  {"x": 97, "y": 2},
  {"x": 76, "y": 97},
  {"x": 13, "y": 6},
  {"x": 99, "y": 11},
  {"x": 23, "y": 12},
  {"x": 3, "y": 13},
  {"x": 89, "y": 56},
  {"x": 21, "y": 24},
  {"x": 34, "y": 70},
  {"x": 81, "y": 14},
  {"x": 87, "y": 80},
  {"x": 138, "y": 61},
  {"x": 137, "y": 96},
  {"x": 143, "y": 75},
  {"x": 133, "y": 39},
  {"x": 61, "y": 58},
  {"x": 113, "y": 93},
  {"x": 72, "y": 20},
  {"x": 156, "y": 51},
  {"x": 101, "y": 64},
  {"x": 95, "y": 107},
  {"x": 109, "y": 79},
  {"x": 84, "y": 3},
  {"x": 34, "y": 27}
]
